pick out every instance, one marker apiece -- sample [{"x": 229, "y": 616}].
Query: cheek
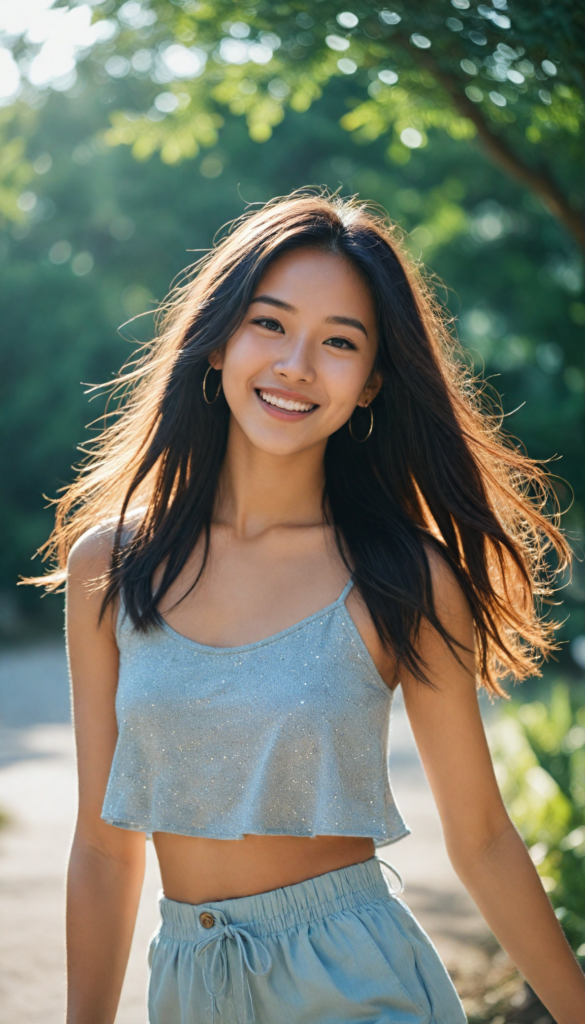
[
  {"x": 344, "y": 380},
  {"x": 243, "y": 358}
]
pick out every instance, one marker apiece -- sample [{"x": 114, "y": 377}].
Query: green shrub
[{"x": 539, "y": 753}]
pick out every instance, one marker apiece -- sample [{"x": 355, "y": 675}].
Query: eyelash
[
  {"x": 264, "y": 321},
  {"x": 346, "y": 342}
]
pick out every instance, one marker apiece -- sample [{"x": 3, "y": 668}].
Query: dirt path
[{"x": 38, "y": 791}]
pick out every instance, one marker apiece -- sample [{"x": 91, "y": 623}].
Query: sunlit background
[{"x": 131, "y": 132}]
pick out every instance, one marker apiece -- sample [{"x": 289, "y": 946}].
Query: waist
[
  {"x": 197, "y": 870},
  {"x": 280, "y": 908}
]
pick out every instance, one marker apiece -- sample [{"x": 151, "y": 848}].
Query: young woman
[{"x": 300, "y": 506}]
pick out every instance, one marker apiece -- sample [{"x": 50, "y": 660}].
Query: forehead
[{"x": 320, "y": 280}]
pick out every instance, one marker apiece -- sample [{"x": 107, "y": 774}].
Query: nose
[{"x": 294, "y": 362}]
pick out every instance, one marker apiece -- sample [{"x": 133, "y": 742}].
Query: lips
[{"x": 287, "y": 402}]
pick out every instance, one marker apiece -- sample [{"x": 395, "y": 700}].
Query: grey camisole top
[{"x": 285, "y": 736}]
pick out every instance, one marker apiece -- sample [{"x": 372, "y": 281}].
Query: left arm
[{"x": 484, "y": 847}]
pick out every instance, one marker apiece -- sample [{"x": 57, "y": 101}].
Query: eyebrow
[
  {"x": 271, "y": 301},
  {"x": 348, "y": 321}
]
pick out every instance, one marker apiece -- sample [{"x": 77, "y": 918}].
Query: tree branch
[{"x": 537, "y": 181}]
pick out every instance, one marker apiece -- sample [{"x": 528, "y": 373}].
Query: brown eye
[
  {"x": 340, "y": 343},
  {"x": 269, "y": 323}
]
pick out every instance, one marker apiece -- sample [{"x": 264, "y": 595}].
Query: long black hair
[{"x": 436, "y": 472}]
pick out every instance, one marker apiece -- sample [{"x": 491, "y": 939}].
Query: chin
[
  {"x": 281, "y": 446},
  {"x": 280, "y": 440}
]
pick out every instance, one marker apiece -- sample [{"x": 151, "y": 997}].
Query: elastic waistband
[{"x": 280, "y": 909}]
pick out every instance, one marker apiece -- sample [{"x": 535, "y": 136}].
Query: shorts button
[{"x": 207, "y": 919}]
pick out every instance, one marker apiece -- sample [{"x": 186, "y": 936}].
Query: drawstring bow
[{"x": 252, "y": 957}]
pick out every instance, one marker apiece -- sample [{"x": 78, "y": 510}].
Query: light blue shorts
[{"x": 340, "y": 948}]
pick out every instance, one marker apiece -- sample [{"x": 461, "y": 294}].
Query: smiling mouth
[{"x": 284, "y": 404}]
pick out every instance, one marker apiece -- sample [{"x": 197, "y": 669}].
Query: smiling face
[{"x": 303, "y": 357}]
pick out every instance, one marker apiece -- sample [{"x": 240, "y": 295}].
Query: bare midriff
[{"x": 196, "y": 870}]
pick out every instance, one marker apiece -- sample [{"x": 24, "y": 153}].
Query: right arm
[{"x": 106, "y": 865}]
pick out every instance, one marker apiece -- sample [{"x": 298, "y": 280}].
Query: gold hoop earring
[
  {"x": 210, "y": 367},
  {"x": 362, "y": 440}
]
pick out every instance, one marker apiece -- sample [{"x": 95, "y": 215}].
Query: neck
[{"x": 258, "y": 491}]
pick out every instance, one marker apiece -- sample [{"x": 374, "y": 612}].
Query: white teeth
[{"x": 286, "y": 403}]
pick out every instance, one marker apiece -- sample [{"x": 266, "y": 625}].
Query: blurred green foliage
[
  {"x": 93, "y": 237},
  {"x": 513, "y": 76},
  {"x": 539, "y": 750}
]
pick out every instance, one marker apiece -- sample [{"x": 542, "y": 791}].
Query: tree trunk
[{"x": 538, "y": 181}]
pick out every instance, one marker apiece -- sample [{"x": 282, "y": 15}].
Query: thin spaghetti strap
[
  {"x": 345, "y": 592},
  {"x": 396, "y": 873}
]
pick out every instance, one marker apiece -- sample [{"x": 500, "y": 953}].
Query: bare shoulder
[
  {"x": 450, "y": 601},
  {"x": 87, "y": 567},
  {"x": 92, "y": 552},
  {"x": 450, "y": 666}
]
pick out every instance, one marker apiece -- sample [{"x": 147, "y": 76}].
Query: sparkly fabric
[{"x": 286, "y": 736}]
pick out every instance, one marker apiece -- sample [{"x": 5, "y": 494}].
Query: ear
[
  {"x": 216, "y": 358},
  {"x": 372, "y": 388}
]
